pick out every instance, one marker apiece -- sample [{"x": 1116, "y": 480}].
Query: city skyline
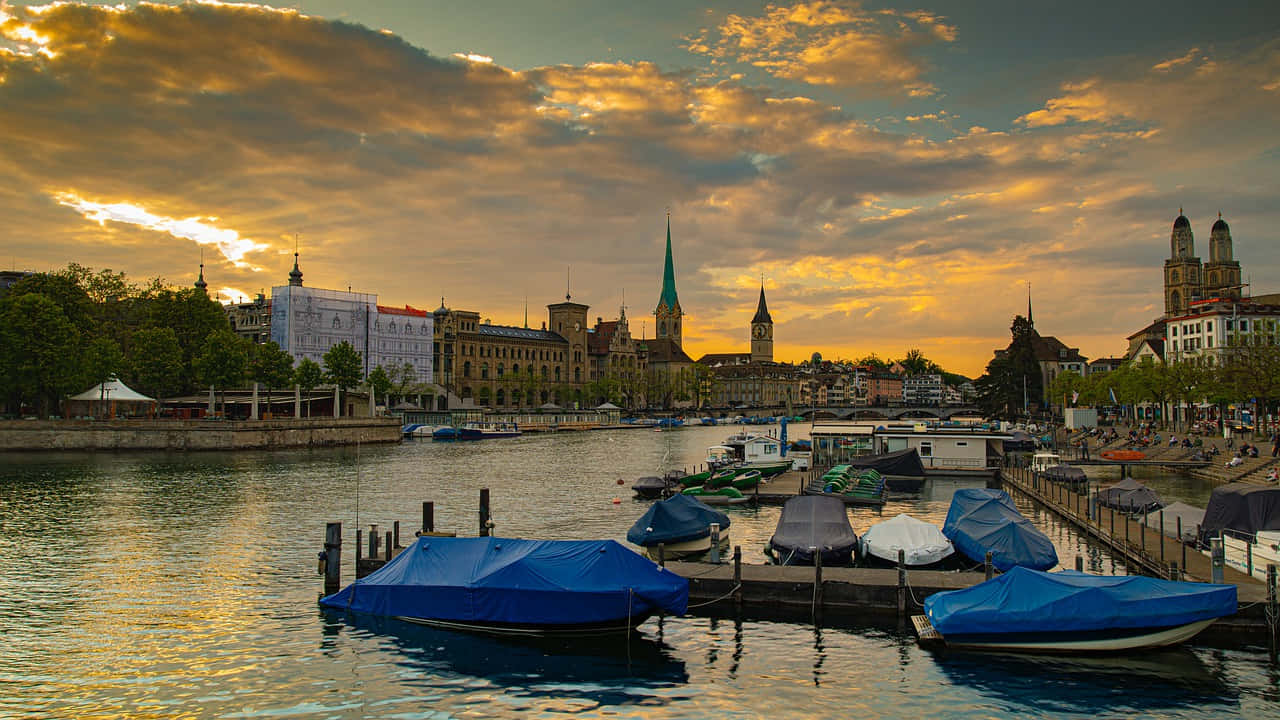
[{"x": 897, "y": 172}]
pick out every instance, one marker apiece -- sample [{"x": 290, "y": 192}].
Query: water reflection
[
  {"x": 634, "y": 661},
  {"x": 1161, "y": 679}
]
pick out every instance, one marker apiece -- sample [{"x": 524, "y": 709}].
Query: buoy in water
[{"x": 617, "y": 501}]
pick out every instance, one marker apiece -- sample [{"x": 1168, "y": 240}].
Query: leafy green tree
[
  {"x": 308, "y": 377},
  {"x": 1187, "y": 382},
  {"x": 62, "y": 290},
  {"x": 103, "y": 360},
  {"x": 1064, "y": 385},
  {"x": 380, "y": 384},
  {"x": 342, "y": 367},
  {"x": 404, "y": 380},
  {"x": 40, "y": 348},
  {"x": 270, "y": 366},
  {"x": 192, "y": 316},
  {"x": 1253, "y": 367},
  {"x": 155, "y": 362},
  {"x": 223, "y": 362}
]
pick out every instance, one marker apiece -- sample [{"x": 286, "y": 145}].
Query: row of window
[{"x": 517, "y": 353}]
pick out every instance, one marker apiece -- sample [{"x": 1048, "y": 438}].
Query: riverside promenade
[{"x": 193, "y": 435}]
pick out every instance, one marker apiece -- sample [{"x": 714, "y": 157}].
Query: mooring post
[
  {"x": 1273, "y": 614},
  {"x": 1162, "y": 537},
  {"x": 484, "y": 512},
  {"x": 662, "y": 554},
  {"x": 986, "y": 565},
  {"x": 1079, "y": 564},
  {"x": 373, "y": 541},
  {"x": 737, "y": 576},
  {"x": 1248, "y": 558},
  {"x": 1126, "y": 531},
  {"x": 1142, "y": 528},
  {"x": 817, "y": 583},
  {"x": 389, "y": 550},
  {"x": 396, "y": 539},
  {"x": 902, "y": 584},
  {"x": 1182, "y": 541},
  {"x": 1217, "y": 556},
  {"x": 428, "y": 517},
  {"x": 333, "y": 558},
  {"x": 715, "y": 543},
  {"x": 1173, "y": 571},
  {"x": 359, "y": 548}
]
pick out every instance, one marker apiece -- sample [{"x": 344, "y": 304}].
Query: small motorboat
[
  {"x": 922, "y": 543},
  {"x": 717, "y": 496},
  {"x": 1034, "y": 611},
  {"x": 902, "y": 470},
  {"x": 982, "y": 520},
  {"x": 849, "y": 485},
  {"x": 813, "y": 525},
  {"x": 652, "y": 487},
  {"x": 509, "y": 586},
  {"x": 1130, "y": 496},
  {"x": 682, "y": 525},
  {"x": 1069, "y": 475}
]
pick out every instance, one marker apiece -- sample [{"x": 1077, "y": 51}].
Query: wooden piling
[
  {"x": 396, "y": 539},
  {"x": 715, "y": 543},
  {"x": 817, "y": 584},
  {"x": 737, "y": 577},
  {"x": 986, "y": 565},
  {"x": 428, "y": 517},
  {"x": 1079, "y": 564},
  {"x": 389, "y": 550},
  {"x": 373, "y": 541},
  {"x": 1182, "y": 542},
  {"x": 902, "y": 584},
  {"x": 1273, "y": 613},
  {"x": 484, "y": 512},
  {"x": 359, "y": 548},
  {"x": 1162, "y": 537},
  {"x": 332, "y": 558},
  {"x": 662, "y": 554}
]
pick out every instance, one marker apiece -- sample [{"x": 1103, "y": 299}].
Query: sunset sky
[{"x": 898, "y": 173}]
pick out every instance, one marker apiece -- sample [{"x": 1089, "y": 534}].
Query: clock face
[
  {"x": 577, "y": 327},
  {"x": 758, "y": 331}
]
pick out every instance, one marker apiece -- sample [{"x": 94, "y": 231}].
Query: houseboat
[{"x": 953, "y": 450}]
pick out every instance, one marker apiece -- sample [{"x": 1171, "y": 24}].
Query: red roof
[{"x": 406, "y": 310}]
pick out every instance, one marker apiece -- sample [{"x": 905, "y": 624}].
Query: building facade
[
  {"x": 1212, "y": 328},
  {"x": 1187, "y": 280},
  {"x": 923, "y": 390},
  {"x": 250, "y": 320}
]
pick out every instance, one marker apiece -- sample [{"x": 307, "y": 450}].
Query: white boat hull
[
  {"x": 688, "y": 548},
  {"x": 1158, "y": 638}
]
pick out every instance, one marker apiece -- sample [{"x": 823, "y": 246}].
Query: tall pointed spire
[
  {"x": 201, "y": 285},
  {"x": 1029, "y": 320},
  {"x": 668, "y": 296},
  {"x": 295, "y": 275},
  {"x": 762, "y": 309}
]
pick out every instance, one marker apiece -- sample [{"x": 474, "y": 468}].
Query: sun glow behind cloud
[{"x": 198, "y": 229}]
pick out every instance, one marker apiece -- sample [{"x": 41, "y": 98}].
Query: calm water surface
[{"x": 152, "y": 585}]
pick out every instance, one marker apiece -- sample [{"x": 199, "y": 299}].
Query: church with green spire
[{"x": 665, "y": 351}]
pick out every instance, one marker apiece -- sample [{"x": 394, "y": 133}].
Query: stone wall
[{"x": 194, "y": 434}]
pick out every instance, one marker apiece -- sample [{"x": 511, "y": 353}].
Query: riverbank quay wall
[{"x": 194, "y": 435}]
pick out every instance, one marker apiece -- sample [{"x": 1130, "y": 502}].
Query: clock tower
[
  {"x": 668, "y": 315},
  {"x": 762, "y": 332}
]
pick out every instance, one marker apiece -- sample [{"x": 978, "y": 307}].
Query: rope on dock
[{"x": 716, "y": 600}]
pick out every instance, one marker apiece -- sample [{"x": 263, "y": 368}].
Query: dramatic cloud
[
  {"x": 832, "y": 43},
  {"x": 136, "y": 135}
]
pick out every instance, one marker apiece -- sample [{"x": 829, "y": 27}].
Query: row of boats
[{"x": 466, "y": 431}]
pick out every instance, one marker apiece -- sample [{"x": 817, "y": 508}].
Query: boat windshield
[{"x": 719, "y": 453}]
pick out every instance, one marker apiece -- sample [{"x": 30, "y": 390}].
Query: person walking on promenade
[{"x": 1275, "y": 444}]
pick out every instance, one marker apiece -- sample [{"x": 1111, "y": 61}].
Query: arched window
[
  {"x": 577, "y": 375},
  {"x": 546, "y": 374},
  {"x": 502, "y": 397},
  {"x": 545, "y": 396},
  {"x": 557, "y": 373},
  {"x": 466, "y": 369},
  {"x": 1173, "y": 276},
  {"x": 337, "y": 322},
  {"x": 483, "y": 395},
  {"x": 391, "y": 327},
  {"x": 515, "y": 369},
  {"x": 500, "y": 369},
  {"x": 484, "y": 371}
]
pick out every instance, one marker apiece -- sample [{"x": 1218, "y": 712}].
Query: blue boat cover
[
  {"x": 982, "y": 520},
  {"x": 676, "y": 519},
  {"x": 1031, "y": 601},
  {"x": 506, "y": 580}
]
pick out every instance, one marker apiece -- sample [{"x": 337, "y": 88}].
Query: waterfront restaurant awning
[
  {"x": 607, "y": 406},
  {"x": 112, "y": 390}
]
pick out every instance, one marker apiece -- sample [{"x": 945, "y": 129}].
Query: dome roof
[
  {"x": 1221, "y": 226},
  {"x": 1181, "y": 222}
]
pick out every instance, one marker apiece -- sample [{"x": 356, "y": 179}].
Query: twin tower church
[
  {"x": 1187, "y": 279},
  {"x": 669, "y": 316}
]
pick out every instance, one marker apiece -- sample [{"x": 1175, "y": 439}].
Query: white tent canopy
[
  {"x": 112, "y": 390},
  {"x": 607, "y": 406}
]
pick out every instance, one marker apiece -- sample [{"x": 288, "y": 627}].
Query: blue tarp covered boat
[
  {"x": 1070, "y": 611},
  {"x": 981, "y": 520},
  {"x": 520, "y": 587},
  {"x": 678, "y": 518}
]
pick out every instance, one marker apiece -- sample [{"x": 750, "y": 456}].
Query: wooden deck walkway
[{"x": 1143, "y": 547}]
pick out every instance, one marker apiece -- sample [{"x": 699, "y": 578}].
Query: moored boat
[
  {"x": 902, "y": 470},
  {"x": 511, "y": 586},
  {"x": 922, "y": 544},
  {"x": 682, "y": 525},
  {"x": 1034, "y": 611},
  {"x": 809, "y": 526},
  {"x": 849, "y": 485},
  {"x": 982, "y": 520},
  {"x": 1130, "y": 496},
  {"x": 717, "y": 496},
  {"x": 651, "y": 487},
  {"x": 1069, "y": 475}
]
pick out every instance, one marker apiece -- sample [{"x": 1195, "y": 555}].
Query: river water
[{"x": 184, "y": 585}]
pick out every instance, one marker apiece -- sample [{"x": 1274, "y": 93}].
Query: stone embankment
[{"x": 184, "y": 435}]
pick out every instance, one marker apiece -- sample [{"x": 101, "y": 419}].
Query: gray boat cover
[
  {"x": 1192, "y": 519},
  {"x": 1243, "y": 508},
  {"x": 1129, "y": 495},
  {"x": 922, "y": 543},
  {"x": 1068, "y": 474},
  {"x": 901, "y": 462},
  {"x": 814, "y": 521}
]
